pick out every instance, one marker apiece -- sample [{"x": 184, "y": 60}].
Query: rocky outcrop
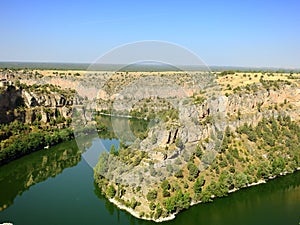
[
  {"x": 10, "y": 99},
  {"x": 27, "y": 106}
]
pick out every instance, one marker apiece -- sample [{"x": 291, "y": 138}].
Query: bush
[
  {"x": 152, "y": 206},
  {"x": 178, "y": 174},
  {"x": 198, "y": 185},
  {"x": 193, "y": 170},
  {"x": 177, "y": 202},
  {"x": 165, "y": 185},
  {"x": 110, "y": 192},
  {"x": 240, "y": 180},
  {"x": 198, "y": 151},
  {"x": 133, "y": 203},
  {"x": 166, "y": 193},
  {"x": 152, "y": 195},
  {"x": 205, "y": 196}
]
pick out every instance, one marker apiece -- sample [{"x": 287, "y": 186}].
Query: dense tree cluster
[
  {"x": 20, "y": 145},
  {"x": 177, "y": 202}
]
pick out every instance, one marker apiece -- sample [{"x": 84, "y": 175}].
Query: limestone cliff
[{"x": 30, "y": 104}]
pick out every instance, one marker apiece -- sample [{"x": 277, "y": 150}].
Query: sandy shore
[{"x": 137, "y": 215}]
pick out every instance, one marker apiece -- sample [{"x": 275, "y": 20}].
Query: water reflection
[
  {"x": 276, "y": 202},
  {"x": 127, "y": 129},
  {"x": 19, "y": 175}
]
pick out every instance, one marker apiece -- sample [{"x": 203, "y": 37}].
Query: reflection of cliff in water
[
  {"x": 19, "y": 175},
  {"x": 126, "y": 129}
]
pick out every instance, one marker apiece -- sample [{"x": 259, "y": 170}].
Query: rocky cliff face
[
  {"x": 224, "y": 142},
  {"x": 28, "y": 105},
  {"x": 205, "y": 123},
  {"x": 233, "y": 111},
  {"x": 10, "y": 99}
]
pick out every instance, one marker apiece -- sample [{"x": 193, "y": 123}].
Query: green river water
[{"x": 55, "y": 187}]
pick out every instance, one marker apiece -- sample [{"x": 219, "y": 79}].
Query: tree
[
  {"x": 205, "y": 196},
  {"x": 198, "y": 184},
  {"x": 178, "y": 201},
  {"x": 198, "y": 151},
  {"x": 158, "y": 212},
  {"x": 194, "y": 171},
  {"x": 182, "y": 200},
  {"x": 240, "y": 180},
  {"x": 263, "y": 170},
  {"x": 227, "y": 132},
  {"x": 165, "y": 185},
  {"x": 239, "y": 115},
  {"x": 102, "y": 165},
  {"x": 232, "y": 169},
  {"x": 166, "y": 193},
  {"x": 113, "y": 150},
  {"x": 152, "y": 206},
  {"x": 133, "y": 203},
  {"x": 221, "y": 189},
  {"x": 170, "y": 204},
  {"x": 178, "y": 174},
  {"x": 110, "y": 192},
  {"x": 278, "y": 165},
  {"x": 152, "y": 195}
]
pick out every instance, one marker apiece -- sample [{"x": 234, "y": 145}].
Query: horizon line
[{"x": 225, "y": 67}]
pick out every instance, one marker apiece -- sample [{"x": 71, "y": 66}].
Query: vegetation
[
  {"x": 18, "y": 138},
  {"x": 260, "y": 148},
  {"x": 152, "y": 195},
  {"x": 177, "y": 202},
  {"x": 110, "y": 192},
  {"x": 234, "y": 166},
  {"x": 16, "y": 143}
]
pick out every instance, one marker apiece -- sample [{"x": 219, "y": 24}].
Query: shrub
[
  {"x": 152, "y": 205},
  {"x": 110, "y": 192},
  {"x": 152, "y": 195},
  {"x": 178, "y": 174},
  {"x": 193, "y": 170},
  {"x": 198, "y": 185}
]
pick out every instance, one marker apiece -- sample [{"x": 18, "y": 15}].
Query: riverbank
[
  {"x": 25, "y": 144},
  {"x": 137, "y": 215},
  {"x": 173, "y": 215}
]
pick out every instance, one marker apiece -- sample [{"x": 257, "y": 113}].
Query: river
[{"x": 55, "y": 187}]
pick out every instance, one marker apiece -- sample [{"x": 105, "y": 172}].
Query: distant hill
[{"x": 133, "y": 67}]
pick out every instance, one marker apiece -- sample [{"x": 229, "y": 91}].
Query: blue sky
[{"x": 224, "y": 33}]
